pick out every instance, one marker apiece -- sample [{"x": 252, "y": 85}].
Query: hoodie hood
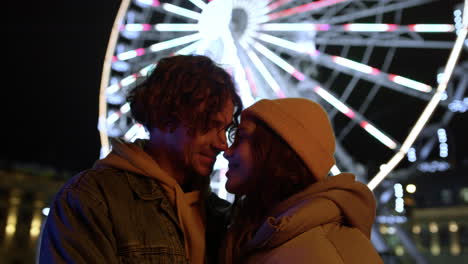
[
  {"x": 188, "y": 206},
  {"x": 337, "y": 198},
  {"x": 131, "y": 157}
]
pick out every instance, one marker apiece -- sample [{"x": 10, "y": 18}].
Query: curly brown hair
[
  {"x": 278, "y": 173},
  {"x": 187, "y": 89}
]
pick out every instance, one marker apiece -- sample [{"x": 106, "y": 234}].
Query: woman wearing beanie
[{"x": 287, "y": 209}]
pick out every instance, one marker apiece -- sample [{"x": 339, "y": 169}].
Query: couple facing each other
[{"x": 150, "y": 201}]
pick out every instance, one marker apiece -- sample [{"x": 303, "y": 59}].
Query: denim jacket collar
[{"x": 146, "y": 188}]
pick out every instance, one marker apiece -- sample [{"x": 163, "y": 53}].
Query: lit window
[
  {"x": 446, "y": 196},
  {"x": 464, "y": 195}
]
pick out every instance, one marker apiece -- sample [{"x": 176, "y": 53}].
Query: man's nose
[{"x": 221, "y": 141}]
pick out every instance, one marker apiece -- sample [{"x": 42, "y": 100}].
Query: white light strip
[
  {"x": 262, "y": 69},
  {"x": 379, "y": 135},
  {"x": 282, "y": 43},
  {"x": 149, "y": 2},
  {"x": 410, "y": 83},
  {"x": 113, "y": 117},
  {"x": 125, "y": 108},
  {"x": 175, "y": 42},
  {"x": 199, "y": 3},
  {"x": 275, "y": 4},
  {"x": 130, "y": 54},
  {"x": 128, "y": 80},
  {"x": 293, "y": 27},
  {"x": 176, "y": 27},
  {"x": 136, "y": 27},
  {"x": 432, "y": 28},
  {"x": 393, "y": 162},
  {"x": 302, "y": 8},
  {"x": 140, "y": 133},
  {"x": 355, "y": 65},
  {"x": 369, "y": 27},
  {"x": 357, "y": 27},
  {"x": 279, "y": 61},
  {"x": 132, "y": 132},
  {"x": 181, "y": 11},
  {"x": 373, "y": 131},
  {"x": 112, "y": 89},
  {"x": 332, "y": 100},
  {"x": 188, "y": 49},
  {"x": 146, "y": 69}
]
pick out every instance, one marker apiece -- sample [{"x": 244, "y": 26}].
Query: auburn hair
[
  {"x": 278, "y": 173},
  {"x": 187, "y": 89}
]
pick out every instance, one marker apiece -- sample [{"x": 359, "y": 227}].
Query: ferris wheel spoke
[
  {"x": 169, "y": 27},
  {"x": 188, "y": 49},
  {"x": 303, "y": 8},
  {"x": 369, "y": 71},
  {"x": 146, "y": 3},
  {"x": 380, "y": 27},
  {"x": 276, "y": 4},
  {"x": 134, "y": 132},
  {"x": 375, "y": 10},
  {"x": 284, "y": 43},
  {"x": 368, "y": 98},
  {"x": 157, "y": 47},
  {"x": 306, "y": 27},
  {"x": 358, "y": 27},
  {"x": 395, "y": 82},
  {"x": 356, "y": 117},
  {"x": 278, "y": 61},
  {"x": 181, "y": 11},
  {"x": 128, "y": 80},
  {"x": 262, "y": 69},
  {"x": 399, "y": 43}
]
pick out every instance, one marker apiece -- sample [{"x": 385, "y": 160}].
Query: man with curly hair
[{"x": 149, "y": 201}]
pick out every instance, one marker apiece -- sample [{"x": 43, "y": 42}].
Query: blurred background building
[{"x": 25, "y": 193}]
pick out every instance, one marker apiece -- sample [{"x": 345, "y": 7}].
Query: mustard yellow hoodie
[
  {"x": 329, "y": 222},
  {"x": 132, "y": 157}
]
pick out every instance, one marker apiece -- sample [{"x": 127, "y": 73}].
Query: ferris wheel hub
[{"x": 215, "y": 19}]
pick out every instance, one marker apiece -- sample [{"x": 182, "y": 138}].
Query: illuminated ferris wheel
[{"x": 361, "y": 60}]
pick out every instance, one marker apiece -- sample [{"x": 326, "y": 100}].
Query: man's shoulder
[
  {"x": 95, "y": 176},
  {"x": 94, "y": 182}
]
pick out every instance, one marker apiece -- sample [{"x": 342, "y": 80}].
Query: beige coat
[{"x": 329, "y": 222}]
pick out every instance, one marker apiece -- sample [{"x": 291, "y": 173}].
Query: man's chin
[
  {"x": 201, "y": 176},
  {"x": 205, "y": 173}
]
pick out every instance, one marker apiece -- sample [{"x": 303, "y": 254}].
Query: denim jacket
[{"x": 114, "y": 216}]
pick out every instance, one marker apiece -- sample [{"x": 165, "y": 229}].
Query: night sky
[{"x": 54, "y": 53}]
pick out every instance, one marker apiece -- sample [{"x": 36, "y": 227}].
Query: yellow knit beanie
[{"x": 304, "y": 125}]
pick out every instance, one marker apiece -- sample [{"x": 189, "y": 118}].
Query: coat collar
[{"x": 144, "y": 187}]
